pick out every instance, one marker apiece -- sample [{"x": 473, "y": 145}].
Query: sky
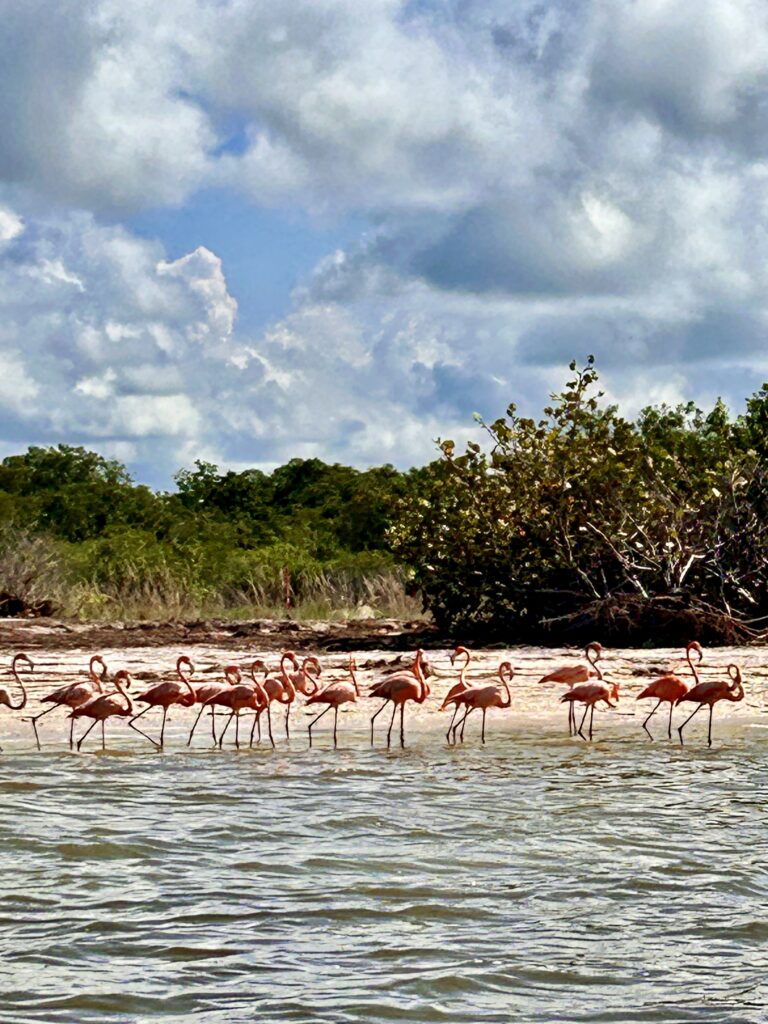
[{"x": 251, "y": 230}]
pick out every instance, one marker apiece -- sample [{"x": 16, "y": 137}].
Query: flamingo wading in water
[
  {"x": 459, "y": 687},
  {"x": 671, "y": 688},
  {"x": 572, "y": 674},
  {"x": 708, "y": 694},
  {"x": 334, "y": 696},
  {"x": 399, "y": 688},
  {"x": 106, "y": 705},
  {"x": 237, "y": 698},
  {"x": 203, "y": 694},
  {"x": 590, "y": 694},
  {"x": 484, "y": 697},
  {"x": 73, "y": 695},
  {"x": 163, "y": 695},
  {"x": 5, "y": 697}
]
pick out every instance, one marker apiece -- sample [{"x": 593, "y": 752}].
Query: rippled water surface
[{"x": 535, "y": 879}]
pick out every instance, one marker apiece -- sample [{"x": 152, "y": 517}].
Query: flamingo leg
[
  {"x": 162, "y": 728},
  {"x": 287, "y": 721},
  {"x": 103, "y": 737},
  {"x": 402, "y": 724},
  {"x": 256, "y": 721},
  {"x": 591, "y": 720},
  {"x": 375, "y": 717},
  {"x": 461, "y": 722},
  {"x": 226, "y": 726},
  {"x": 680, "y": 729},
  {"x": 455, "y": 711},
  {"x": 140, "y": 731},
  {"x": 192, "y": 730},
  {"x": 482, "y": 731},
  {"x": 464, "y": 722},
  {"x": 237, "y": 730},
  {"x": 645, "y": 723},
  {"x": 317, "y": 719},
  {"x": 709, "y": 730},
  {"x": 71, "y": 734},
  {"x": 269, "y": 728},
  {"x": 669, "y": 726},
  {"x": 35, "y": 718},
  {"x": 213, "y": 725},
  {"x": 391, "y": 723},
  {"x": 335, "y": 726},
  {"x": 571, "y": 719},
  {"x": 80, "y": 741},
  {"x": 583, "y": 720}
]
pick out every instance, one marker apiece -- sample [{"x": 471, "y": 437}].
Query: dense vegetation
[
  {"x": 578, "y": 522},
  {"x": 584, "y": 522},
  {"x": 79, "y": 536}
]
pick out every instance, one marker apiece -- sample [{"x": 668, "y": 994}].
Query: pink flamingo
[
  {"x": 589, "y": 694},
  {"x": 399, "y": 688},
  {"x": 106, "y": 705},
  {"x": 204, "y": 693},
  {"x": 572, "y": 674},
  {"x": 280, "y": 689},
  {"x": 73, "y": 695},
  {"x": 670, "y": 688},
  {"x": 300, "y": 679},
  {"x": 708, "y": 694},
  {"x": 459, "y": 687},
  {"x": 5, "y": 697},
  {"x": 163, "y": 695},
  {"x": 485, "y": 697},
  {"x": 261, "y": 666},
  {"x": 237, "y": 698},
  {"x": 334, "y": 696}
]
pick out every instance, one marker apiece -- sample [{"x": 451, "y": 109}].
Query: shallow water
[{"x": 535, "y": 879}]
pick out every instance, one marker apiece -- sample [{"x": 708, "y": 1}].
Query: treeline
[
  {"x": 81, "y": 538},
  {"x": 576, "y": 525},
  {"x": 584, "y": 524}
]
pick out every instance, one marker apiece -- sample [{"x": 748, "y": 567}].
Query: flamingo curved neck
[
  {"x": 186, "y": 678},
  {"x": 690, "y": 662},
  {"x": 593, "y": 656},
  {"x": 17, "y": 677}
]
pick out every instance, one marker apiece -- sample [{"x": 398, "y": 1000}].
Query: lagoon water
[{"x": 535, "y": 879}]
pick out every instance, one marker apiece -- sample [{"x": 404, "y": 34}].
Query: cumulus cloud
[{"x": 543, "y": 179}]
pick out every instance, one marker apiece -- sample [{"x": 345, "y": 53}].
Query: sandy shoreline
[{"x": 534, "y": 706}]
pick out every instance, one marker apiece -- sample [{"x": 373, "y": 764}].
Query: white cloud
[{"x": 546, "y": 179}]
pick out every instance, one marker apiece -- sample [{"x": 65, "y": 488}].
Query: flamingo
[
  {"x": 238, "y": 697},
  {"x": 163, "y": 695},
  {"x": 459, "y": 687},
  {"x": 300, "y": 677},
  {"x": 670, "y": 688},
  {"x": 280, "y": 689},
  {"x": 5, "y": 697},
  {"x": 259, "y": 664},
  {"x": 334, "y": 696},
  {"x": 410, "y": 684},
  {"x": 590, "y": 694},
  {"x": 73, "y": 695},
  {"x": 708, "y": 694},
  {"x": 106, "y": 705},
  {"x": 204, "y": 693},
  {"x": 572, "y": 674},
  {"x": 484, "y": 697}
]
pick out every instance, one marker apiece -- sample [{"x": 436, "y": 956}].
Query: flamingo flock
[{"x": 99, "y": 697}]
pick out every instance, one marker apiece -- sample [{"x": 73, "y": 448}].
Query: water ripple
[{"x": 529, "y": 881}]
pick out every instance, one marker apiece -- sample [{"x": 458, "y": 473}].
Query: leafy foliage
[{"x": 583, "y": 505}]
